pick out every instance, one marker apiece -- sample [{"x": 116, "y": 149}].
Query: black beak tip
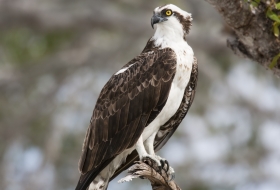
[{"x": 157, "y": 19}]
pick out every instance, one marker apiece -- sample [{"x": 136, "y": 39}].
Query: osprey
[{"x": 142, "y": 104}]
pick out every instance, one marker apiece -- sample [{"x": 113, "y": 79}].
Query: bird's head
[{"x": 170, "y": 18}]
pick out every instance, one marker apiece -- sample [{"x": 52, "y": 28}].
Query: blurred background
[{"x": 56, "y": 55}]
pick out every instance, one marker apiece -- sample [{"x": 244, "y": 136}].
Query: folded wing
[{"x": 124, "y": 108}]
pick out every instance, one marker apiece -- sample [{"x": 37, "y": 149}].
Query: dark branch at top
[{"x": 254, "y": 38}]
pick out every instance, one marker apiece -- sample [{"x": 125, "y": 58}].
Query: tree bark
[
  {"x": 254, "y": 38},
  {"x": 148, "y": 169}
]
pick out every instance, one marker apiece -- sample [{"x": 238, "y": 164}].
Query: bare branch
[{"x": 159, "y": 178}]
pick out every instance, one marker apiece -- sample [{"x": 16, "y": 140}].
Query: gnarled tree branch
[
  {"x": 254, "y": 38},
  {"x": 160, "y": 179}
]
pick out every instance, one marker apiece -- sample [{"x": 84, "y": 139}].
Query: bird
[{"x": 143, "y": 103}]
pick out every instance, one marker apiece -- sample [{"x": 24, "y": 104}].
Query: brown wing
[
  {"x": 167, "y": 130},
  {"x": 123, "y": 109}
]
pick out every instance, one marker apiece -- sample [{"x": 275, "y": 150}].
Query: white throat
[{"x": 168, "y": 33}]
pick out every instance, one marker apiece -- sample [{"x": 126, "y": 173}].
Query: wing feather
[{"x": 124, "y": 116}]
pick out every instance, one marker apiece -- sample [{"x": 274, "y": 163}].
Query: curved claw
[
  {"x": 166, "y": 162},
  {"x": 162, "y": 163},
  {"x": 145, "y": 160}
]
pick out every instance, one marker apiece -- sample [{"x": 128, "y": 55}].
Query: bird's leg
[
  {"x": 143, "y": 153},
  {"x": 149, "y": 144}
]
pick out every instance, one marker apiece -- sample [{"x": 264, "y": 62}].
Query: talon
[
  {"x": 166, "y": 162},
  {"x": 162, "y": 163},
  {"x": 147, "y": 160}
]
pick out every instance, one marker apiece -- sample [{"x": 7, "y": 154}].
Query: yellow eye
[{"x": 168, "y": 12}]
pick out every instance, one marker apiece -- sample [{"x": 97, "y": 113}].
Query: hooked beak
[{"x": 157, "y": 19}]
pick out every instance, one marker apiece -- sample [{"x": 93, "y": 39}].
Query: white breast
[{"x": 182, "y": 76}]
